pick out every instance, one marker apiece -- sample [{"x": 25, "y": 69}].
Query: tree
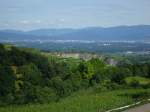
[
  {"x": 118, "y": 74},
  {"x": 86, "y": 69},
  {"x": 7, "y": 81},
  {"x": 16, "y": 57},
  {"x": 134, "y": 83},
  {"x": 31, "y": 74},
  {"x": 97, "y": 64}
]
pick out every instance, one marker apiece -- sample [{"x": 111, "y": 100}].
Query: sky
[{"x": 35, "y": 14}]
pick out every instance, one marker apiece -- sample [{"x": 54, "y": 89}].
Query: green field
[
  {"x": 86, "y": 101},
  {"x": 141, "y": 80}
]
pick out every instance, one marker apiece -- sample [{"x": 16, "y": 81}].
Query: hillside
[{"x": 29, "y": 76}]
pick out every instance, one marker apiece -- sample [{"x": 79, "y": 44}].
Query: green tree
[
  {"x": 31, "y": 74},
  {"x": 7, "y": 82},
  {"x": 86, "y": 69}
]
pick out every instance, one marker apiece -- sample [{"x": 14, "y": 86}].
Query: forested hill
[
  {"x": 119, "y": 33},
  {"x": 29, "y": 76}
]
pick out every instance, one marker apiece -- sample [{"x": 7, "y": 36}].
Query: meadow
[{"x": 86, "y": 101}]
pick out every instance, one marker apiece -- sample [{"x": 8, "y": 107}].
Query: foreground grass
[{"x": 85, "y": 101}]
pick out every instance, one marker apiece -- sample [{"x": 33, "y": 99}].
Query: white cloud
[
  {"x": 24, "y": 22},
  {"x": 38, "y": 21},
  {"x": 62, "y": 20},
  {"x": 30, "y": 22}
]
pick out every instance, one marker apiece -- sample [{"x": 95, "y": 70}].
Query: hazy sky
[{"x": 32, "y": 14}]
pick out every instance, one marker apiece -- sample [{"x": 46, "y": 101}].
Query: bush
[
  {"x": 135, "y": 83},
  {"x": 99, "y": 88},
  {"x": 45, "y": 95}
]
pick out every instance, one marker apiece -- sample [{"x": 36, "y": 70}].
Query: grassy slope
[
  {"x": 141, "y": 80},
  {"x": 83, "y": 101}
]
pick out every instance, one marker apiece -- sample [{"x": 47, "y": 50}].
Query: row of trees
[{"x": 29, "y": 77}]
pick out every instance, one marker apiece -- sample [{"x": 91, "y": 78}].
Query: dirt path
[{"x": 142, "y": 108}]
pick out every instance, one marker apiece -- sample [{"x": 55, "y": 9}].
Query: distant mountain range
[{"x": 119, "y": 33}]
